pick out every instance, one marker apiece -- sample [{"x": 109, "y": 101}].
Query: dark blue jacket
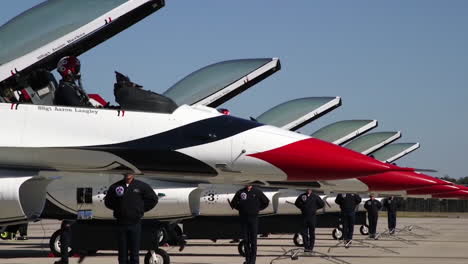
[
  {"x": 348, "y": 202},
  {"x": 309, "y": 204},
  {"x": 130, "y": 203},
  {"x": 373, "y": 207},
  {"x": 249, "y": 203}
]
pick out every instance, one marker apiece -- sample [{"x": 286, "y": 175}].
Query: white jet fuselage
[{"x": 194, "y": 140}]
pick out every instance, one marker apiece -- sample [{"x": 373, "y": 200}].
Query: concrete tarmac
[{"x": 432, "y": 240}]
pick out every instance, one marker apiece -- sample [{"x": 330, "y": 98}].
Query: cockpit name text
[{"x": 66, "y": 109}]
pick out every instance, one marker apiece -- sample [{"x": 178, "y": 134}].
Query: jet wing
[
  {"x": 297, "y": 113},
  {"x": 344, "y": 131},
  {"x": 219, "y": 82},
  {"x": 371, "y": 142},
  {"x": 40, "y": 36},
  {"x": 392, "y": 152}
]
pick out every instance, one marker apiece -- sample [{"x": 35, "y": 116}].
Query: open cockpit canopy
[
  {"x": 40, "y": 36},
  {"x": 392, "y": 152},
  {"x": 216, "y": 83},
  {"x": 369, "y": 143},
  {"x": 343, "y": 131},
  {"x": 33, "y": 42},
  {"x": 297, "y": 113}
]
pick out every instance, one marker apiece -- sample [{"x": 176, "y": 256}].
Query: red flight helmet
[{"x": 69, "y": 66}]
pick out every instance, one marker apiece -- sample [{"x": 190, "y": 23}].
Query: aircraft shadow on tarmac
[{"x": 26, "y": 253}]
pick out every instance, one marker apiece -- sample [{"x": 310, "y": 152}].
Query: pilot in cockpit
[{"x": 70, "y": 91}]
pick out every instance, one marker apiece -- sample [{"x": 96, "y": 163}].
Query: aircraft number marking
[{"x": 211, "y": 197}]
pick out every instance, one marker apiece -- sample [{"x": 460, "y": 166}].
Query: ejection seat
[
  {"x": 43, "y": 86},
  {"x": 38, "y": 88},
  {"x": 131, "y": 96}
]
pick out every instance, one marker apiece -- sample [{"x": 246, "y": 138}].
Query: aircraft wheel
[
  {"x": 54, "y": 244},
  {"x": 5, "y": 235},
  {"x": 337, "y": 234},
  {"x": 157, "y": 256},
  {"x": 241, "y": 248},
  {"x": 364, "y": 230},
  {"x": 298, "y": 240}
]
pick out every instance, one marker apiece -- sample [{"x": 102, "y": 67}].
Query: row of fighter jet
[
  {"x": 185, "y": 196},
  {"x": 58, "y": 161},
  {"x": 187, "y": 144},
  {"x": 290, "y": 115}
]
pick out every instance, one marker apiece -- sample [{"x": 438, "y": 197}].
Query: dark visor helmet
[{"x": 69, "y": 66}]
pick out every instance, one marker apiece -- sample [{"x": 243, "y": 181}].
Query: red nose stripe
[
  {"x": 456, "y": 194},
  {"x": 312, "y": 159},
  {"x": 434, "y": 189},
  {"x": 398, "y": 181}
]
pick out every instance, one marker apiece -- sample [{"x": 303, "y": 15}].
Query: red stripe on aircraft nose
[
  {"x": 313, "y": 159},
  {"x": 434, "y": 190},
  {"x": 399, "y": 181},
  {"x": 462, "y": 194}
]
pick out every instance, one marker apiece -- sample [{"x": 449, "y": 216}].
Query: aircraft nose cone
[
  {"x": 399, "y": 181},
  {"x": 460, "y": 194},
  {"x": 434, "y": 190},
  {"x": 313, "y": 159}
]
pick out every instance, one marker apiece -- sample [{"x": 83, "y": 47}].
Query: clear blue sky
[{"x": 402, "y": 62}]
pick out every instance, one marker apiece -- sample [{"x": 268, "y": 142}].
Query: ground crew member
[
  {"x": 348, "y": 203},
  {"x": 65, "y": 241},
  {"x": 309, "y": 203},
  {"x": 23, "y": 231},
  {"x": 70, "y": 91},
  {"x": 249, "y": 201},
  {"x": 373, "y": 207},
  {"x": 391, "y": 205},
  {"x": 130, "y": 199}
]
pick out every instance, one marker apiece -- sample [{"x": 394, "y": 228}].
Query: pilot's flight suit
[
  {"x": 391, "y": 205},
  {"x": 71, "y": 94},
  {"x": 348, "y": 204},
  {"x": 249, "y": 203},
  {"x": 372, "y": 207},
  {"x": 309, "y": 204}
]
